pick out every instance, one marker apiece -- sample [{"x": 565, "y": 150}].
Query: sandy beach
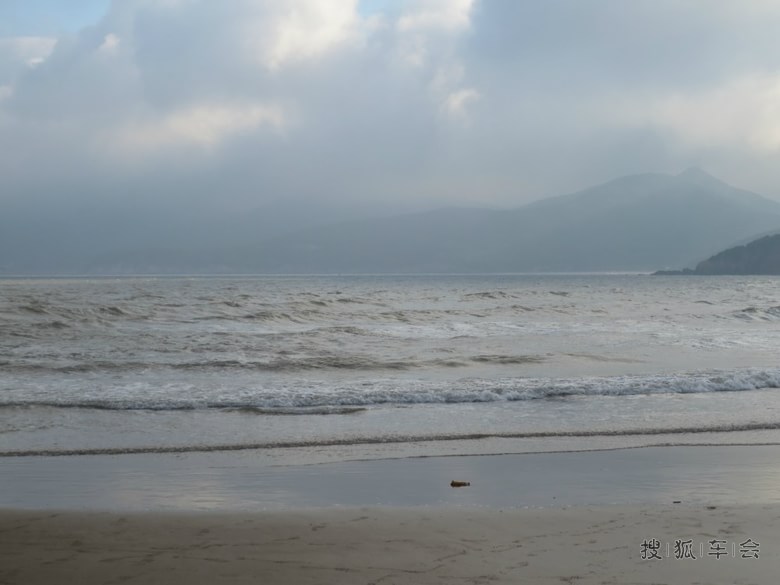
[
  {"x": 404, "y": 545},
  {"x": 584, "y": 518}
]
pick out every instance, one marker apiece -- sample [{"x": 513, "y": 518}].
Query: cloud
[
  {"x": 19, "y": 54},
  {"x": 303, "y": 30},
  {"x": 453, "y": 15},
  {"x": 456, "y": 103},
  {"x": 196, "y": 74},
  {"x": 202, "y": 126},
  {"x": 110, "y": 44},
  {"x": 30, "y": 51},
  {"x": 417, "y": 103},
  {"x": 426, "y": 29},
  {"x": 447, "y": 89},
  {"x": 743, "y": 112}
]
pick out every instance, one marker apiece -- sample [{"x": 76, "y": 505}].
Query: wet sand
[
  {"x": 579, "y": 518},
  {"x": 579, "y": 545},
  {"x": 248, "y": 482}
]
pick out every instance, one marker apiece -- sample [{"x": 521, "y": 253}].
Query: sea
[{"x": 386, "y": 365}]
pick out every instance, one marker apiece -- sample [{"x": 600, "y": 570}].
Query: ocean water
[{"x": 392, "y": 364}]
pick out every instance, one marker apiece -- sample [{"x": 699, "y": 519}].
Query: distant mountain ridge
[{"x": 633, "y": 223}]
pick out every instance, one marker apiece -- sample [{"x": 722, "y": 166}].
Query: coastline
[{"x": 251, "y": 481}]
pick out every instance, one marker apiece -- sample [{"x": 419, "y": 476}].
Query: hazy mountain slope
[
  {"x": 124, "y": 237},
  {"x": 761, "y": 256},
  {"x": 437, "y": 241},
  {"x": 640, "y": 222}
]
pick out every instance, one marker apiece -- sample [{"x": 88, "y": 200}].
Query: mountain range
[
  {"x": 639, "y": 222},
  {"x": 634, "y": 223}
]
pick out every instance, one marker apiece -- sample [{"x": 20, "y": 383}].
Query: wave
[
  {"x": 310, "y": 312},
  {"x": 41, "y": 308},
  {"x": 396, "y": 439},
  {"x": 492, "y": 295},
  {"x": 508, "y": 359},
  {"x": 410, "y": 392},
  {"x": 317, "y": 410},
  {"x": 758, "y": 313},
  {"x": 131, "y": 405},
  {"x": 309, "y": 363}
]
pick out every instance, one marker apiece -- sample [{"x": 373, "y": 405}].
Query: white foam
[{"x": 303, "y": 393}]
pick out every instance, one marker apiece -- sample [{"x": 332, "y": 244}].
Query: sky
[{"x": 385, "y": 104}]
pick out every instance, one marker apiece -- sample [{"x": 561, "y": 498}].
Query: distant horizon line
[{"x": 313, "y": 274}]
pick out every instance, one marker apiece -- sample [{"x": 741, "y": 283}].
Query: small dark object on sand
[{"x": 454, "y": 483}]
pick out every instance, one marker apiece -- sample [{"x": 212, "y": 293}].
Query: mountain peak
[{"x": 700, "y": 177}]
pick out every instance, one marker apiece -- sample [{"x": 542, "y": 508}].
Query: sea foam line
[{"x": 306, "y": 395}]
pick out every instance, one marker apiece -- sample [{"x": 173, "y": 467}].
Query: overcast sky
[{"x": 421, "y": 102}]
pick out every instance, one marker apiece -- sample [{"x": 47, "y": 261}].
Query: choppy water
[{"x": 197, "y": 363}]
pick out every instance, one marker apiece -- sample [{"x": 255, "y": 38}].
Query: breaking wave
[
  {"x": 300, "y": 364},
  {"x": 356, "y": 395},
  {"x": 758, "y": 313}
]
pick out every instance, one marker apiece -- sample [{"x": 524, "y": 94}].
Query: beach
[
  {"x": 369, "y": 545},
  {"x": 307, "y": 430},
  {"x": 588, "y": 517}
]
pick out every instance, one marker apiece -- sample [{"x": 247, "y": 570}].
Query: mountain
[
  {"x": 761, "y": 256},
  {"x": 638, "y": 222},
  {"x": 633, "y": 223},
  {"x": 123, "y": 235}
]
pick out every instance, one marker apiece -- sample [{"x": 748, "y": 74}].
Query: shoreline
[
  {"x": 251, "y": 481},
  {"x": 725, "y": 430}
]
